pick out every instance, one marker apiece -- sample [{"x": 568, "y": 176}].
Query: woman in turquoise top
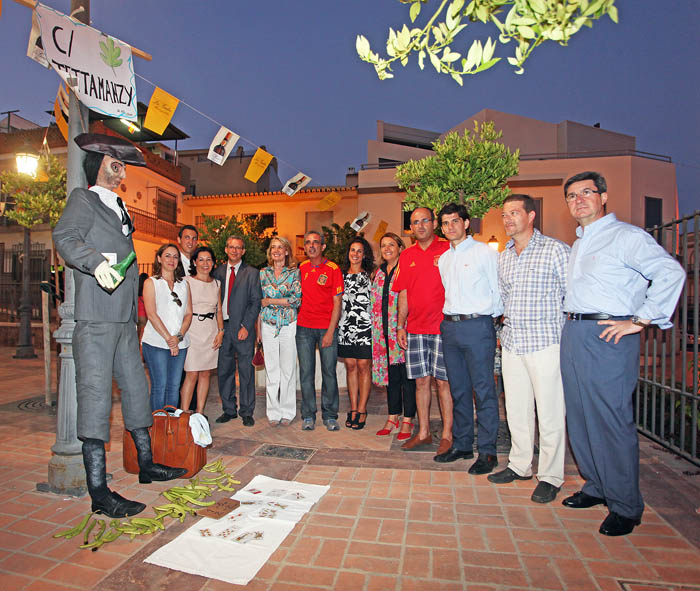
[{"x": 277, "y": 328}]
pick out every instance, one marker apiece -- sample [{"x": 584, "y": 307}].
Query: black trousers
[{"x": 401, "y": 392}]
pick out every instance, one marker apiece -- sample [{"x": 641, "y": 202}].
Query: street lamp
[{"x": 27, "y": 163}]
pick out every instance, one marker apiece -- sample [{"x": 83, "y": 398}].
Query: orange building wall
[{"x": 290, "y": 211}]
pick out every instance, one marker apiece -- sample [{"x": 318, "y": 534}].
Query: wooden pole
[
  {"x": 46, "y": 327},
  {"x": 134, "y": 50}
]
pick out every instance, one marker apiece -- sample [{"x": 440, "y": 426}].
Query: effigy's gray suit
[{"x": 105, "y": 340}]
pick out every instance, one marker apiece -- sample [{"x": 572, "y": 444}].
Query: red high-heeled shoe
[
  {"x": 384, "y": 432},
  {"x": 404, "y": 436}
]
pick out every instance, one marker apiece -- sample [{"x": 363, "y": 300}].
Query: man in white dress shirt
[{"x": 469, "y": 271}]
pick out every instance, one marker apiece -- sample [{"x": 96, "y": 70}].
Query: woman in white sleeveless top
[{"x": 165, "y": 340}]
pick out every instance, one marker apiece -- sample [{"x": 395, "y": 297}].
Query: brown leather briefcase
[{"x": 171, "y": 442}]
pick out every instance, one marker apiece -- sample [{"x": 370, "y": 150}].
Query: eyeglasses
[
  {"x": 176, "y": 299},
  {"x": 585, "y": 193},
  {"x": 421, "y": 222}
]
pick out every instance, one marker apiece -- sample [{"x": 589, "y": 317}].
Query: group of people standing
[
  {"x": 571, "y": 320},
  {"x": 568, "y": 321},
  {"x": 184, "y": 323}
]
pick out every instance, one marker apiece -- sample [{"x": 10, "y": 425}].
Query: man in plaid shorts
[
  {"x": 421, "y": 297},
  {"x": 532, "y": 278}
]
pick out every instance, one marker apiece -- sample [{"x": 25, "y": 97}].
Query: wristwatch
[
  {"x": 639, "y": 322},
  {"x": 179, "y": 337}
]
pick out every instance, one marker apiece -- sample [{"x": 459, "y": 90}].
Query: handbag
[
  {"x": 172, "y": 443},
  {"x": 259, "y": 357}
]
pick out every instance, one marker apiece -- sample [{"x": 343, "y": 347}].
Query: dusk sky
[{"x": 286, "y": 75}]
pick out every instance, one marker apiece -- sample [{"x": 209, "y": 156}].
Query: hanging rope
[{"x": 245, "y": 139}]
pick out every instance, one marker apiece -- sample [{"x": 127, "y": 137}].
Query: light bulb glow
[{"x": 27, "y": 163}]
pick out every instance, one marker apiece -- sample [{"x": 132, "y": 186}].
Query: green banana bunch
[
  {"x": 74, "y": 531},
  {"x": 183, "y": 501}
]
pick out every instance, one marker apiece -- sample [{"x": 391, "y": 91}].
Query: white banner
[{"x": 97, "y": 67}]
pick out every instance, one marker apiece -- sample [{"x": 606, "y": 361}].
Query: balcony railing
[
  {"x": 551, "y": 156},
  {"x": 148, "y": 223}
]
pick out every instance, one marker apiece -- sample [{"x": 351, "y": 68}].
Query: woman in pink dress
[{"x": 207, "y": 328}]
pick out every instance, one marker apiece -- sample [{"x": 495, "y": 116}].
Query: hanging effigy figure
[{"x": 94, "y": 233}]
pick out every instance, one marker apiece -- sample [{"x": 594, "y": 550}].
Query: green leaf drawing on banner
[{"x": 110, "y": 54}]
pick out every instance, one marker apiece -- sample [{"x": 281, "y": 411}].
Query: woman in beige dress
[{"x": 207, "y": 328}]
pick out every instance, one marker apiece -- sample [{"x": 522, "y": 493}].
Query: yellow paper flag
[
  {"x": 381, "y": 230},
  {"x": 60, "y": 120},
  {"x": 257, "y": 165},
  {"x": 160, "y": 110},
  {"x": 328, "y": 201}
]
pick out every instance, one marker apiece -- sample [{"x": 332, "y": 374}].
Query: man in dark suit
[
  {"x": 240, "y": 296},
  {"x": 93, "y": 233}
]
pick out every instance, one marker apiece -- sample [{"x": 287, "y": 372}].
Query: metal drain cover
[{"x": 285, "y": 452}]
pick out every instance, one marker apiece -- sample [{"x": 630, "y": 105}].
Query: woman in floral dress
[{"x": 388, "y": 362}]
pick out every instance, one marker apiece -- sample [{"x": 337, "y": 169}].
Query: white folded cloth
[{"x": 200, "y": 429}]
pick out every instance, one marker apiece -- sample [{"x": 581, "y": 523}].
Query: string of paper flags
[{"x": 98, "y": 68}]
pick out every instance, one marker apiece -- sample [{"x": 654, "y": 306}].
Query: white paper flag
[
  {"x": 361, "y": 221},
  {"x": 221, "y": 145},
  {"x": 296, "y": 183}
]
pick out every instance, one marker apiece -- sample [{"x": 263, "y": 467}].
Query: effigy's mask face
[{"x": 111, "y": 174}]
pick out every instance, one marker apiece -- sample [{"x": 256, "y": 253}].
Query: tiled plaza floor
[{"x": 391, "y": 520}]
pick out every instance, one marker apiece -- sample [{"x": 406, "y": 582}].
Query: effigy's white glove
[{"x": 107, "y": 277}]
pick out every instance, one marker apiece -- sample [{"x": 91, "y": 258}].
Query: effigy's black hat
[{"x": 112, "y": 146}]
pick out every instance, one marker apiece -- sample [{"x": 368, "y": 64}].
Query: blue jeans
[
  {"x": 307, "y": 339},
  {"x": 165, "y": 371},
  {"x": 469, "y": 347}
]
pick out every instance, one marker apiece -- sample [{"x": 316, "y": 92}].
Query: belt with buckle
[
  {"x": 597, "y": 316},
  {"x": 460, "y": 317}
]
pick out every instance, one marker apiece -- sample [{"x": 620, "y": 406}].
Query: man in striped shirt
[{"x": 532, "y": 280}]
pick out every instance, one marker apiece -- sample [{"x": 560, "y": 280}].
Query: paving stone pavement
[{"x": 391, "y": 520}]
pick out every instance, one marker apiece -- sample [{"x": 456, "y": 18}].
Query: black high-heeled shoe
[
  {"x": 357, "y": 424},
  {"x": 351, "y": 420}
]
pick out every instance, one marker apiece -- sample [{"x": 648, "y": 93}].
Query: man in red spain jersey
[
  {"x": 421, "y": 298},
  {"x": 321, "y": 295}
]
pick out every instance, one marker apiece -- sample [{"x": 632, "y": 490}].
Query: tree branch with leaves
[
  {"x": 251, "y": 228},
  {"x": 529, "y": 23},
  {"x": 36, "y": 201},
  {"x": 472, "y": 168}
]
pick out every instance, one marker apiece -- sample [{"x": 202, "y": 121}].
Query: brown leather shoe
[
  {"x": 444, "y": 447},
  {"x": 416, "y": 442}
]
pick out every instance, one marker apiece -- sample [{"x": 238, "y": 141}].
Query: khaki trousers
[{"x": 534, "y": 380}]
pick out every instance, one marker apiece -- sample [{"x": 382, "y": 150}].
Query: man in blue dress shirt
[
  {"x": 469, "y": 272},
  {"x": 619, "y": 281}
]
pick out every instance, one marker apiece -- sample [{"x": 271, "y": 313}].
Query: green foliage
[
  {"x": 471, "y": 168},
  {"x": 39, "y": 200},
  {"x": 528, "y": 22},
  {"x": 256, "y": 237},
  {"x": 338, "y": 239},
  {"x": 110, "y": 53}
]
